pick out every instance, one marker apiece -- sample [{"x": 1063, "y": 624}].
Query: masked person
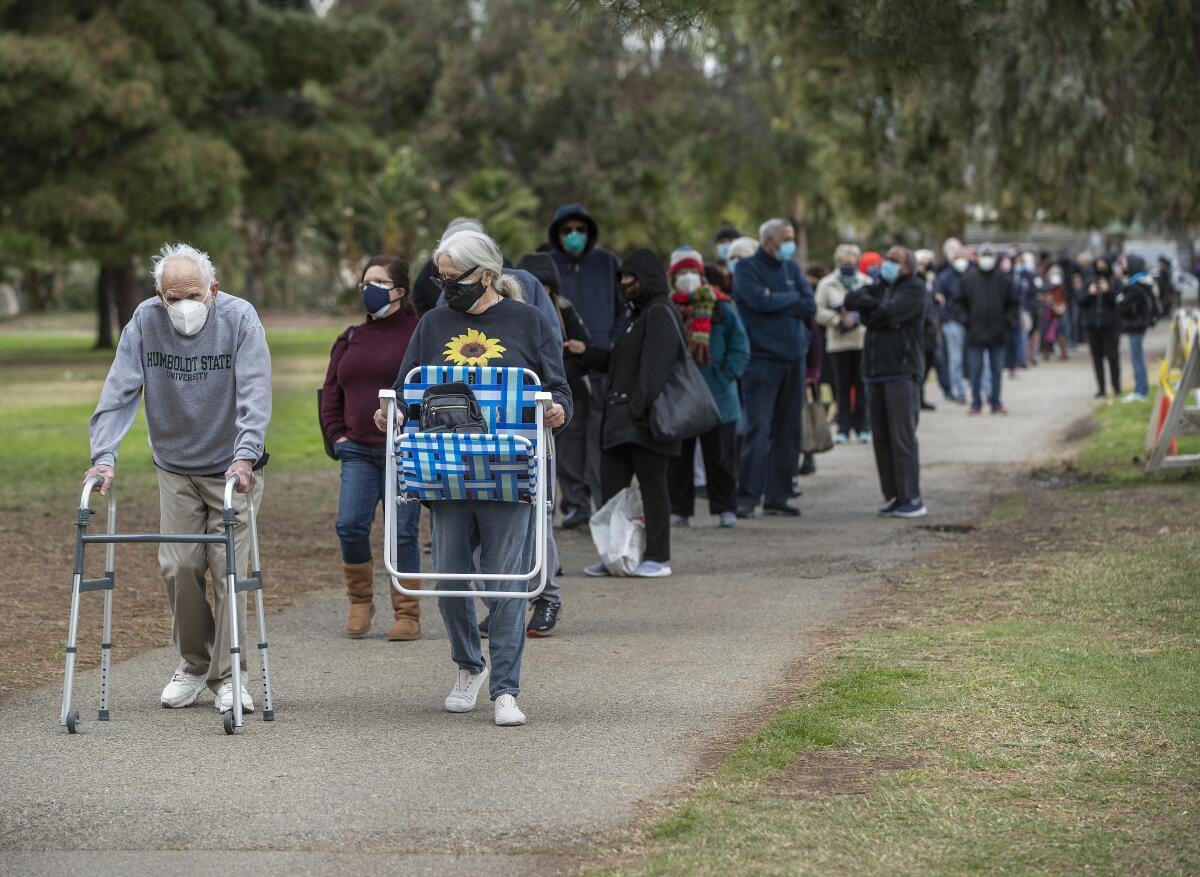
[
  {"x": 717, "y": 342},
  {"x": 1137, "y": 308},
  {"x": 844, "y": 337},
  {"x": 775, "y": 302},
  {"x": 893, "y": 311},
  {"x": 638, "y": 367},
  {"x": 200, "y": 358},
  {"x": 954, "y": 334},
  {"x": 987, "y": 307},
  {"x": 485, "y": 324},
  {"x": 364, "y": 358},
  {"x": 1102, "y": 324},
  {"x": 588, "y": 274}
]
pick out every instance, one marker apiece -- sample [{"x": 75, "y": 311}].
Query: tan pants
[{"x": 201, "y": 633}]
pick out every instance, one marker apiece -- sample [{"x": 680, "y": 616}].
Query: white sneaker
[
  {"x": 596, "y": 570},
  {"x": 182, "y": 690},
  {"x": 462, "y": 696},
  {"x": 1133, "y": 397},
  {"x": 840, "y": 438},
  {"x": 507, "y": 711},
  {"x": 680, "y": 521},
  {"x": 224, "y": 701},
  {"x": 652, "y": 569}
]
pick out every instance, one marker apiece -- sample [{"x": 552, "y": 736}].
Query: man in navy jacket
[
  {"x": 588, "y": 274},
  {"x": 775, "y": 302}
]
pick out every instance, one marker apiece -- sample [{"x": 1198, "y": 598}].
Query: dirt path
[{"x": 364, "y": 771}]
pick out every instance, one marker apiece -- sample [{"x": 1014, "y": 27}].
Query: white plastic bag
[{"x": 619, "y": 531}]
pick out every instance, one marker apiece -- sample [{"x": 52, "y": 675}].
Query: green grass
[
  {"x": 1034, "y": 709},
  {"x": 1115, "y": 451}
]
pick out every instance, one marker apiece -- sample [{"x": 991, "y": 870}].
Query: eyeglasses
[{"x": 448, "y": 284}]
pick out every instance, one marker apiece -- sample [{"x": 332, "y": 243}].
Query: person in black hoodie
[
  {"x": 1101, "y": 324},
  {"x": 893, "y": 310},
  {"x": 1138, "y": 310},
  {"x": 639, "y": 365},
  {"x": 987, "y": 306},
  {"x": 588, "y": 275}
]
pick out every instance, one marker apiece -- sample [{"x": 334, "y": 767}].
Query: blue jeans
[
  {"x": 503, "y": 533},
  {"x": 1137, "y": 356},
  {"x": 995, "y": 357},
  {"x": 1015, "y": 355},
  {"x": 955, "y": 335},
  {"x": 362, "y": 490},
  {"x": 773, "y": 401}
]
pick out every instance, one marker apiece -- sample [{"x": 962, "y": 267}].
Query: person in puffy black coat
[
  {"x": 1101, "y": 324},
  {"x": 987, "y": 306},
  {"x": 1137, "y": 309},
  {"x": 640, "y": 363},
  {"x": 893, "y": 310}
]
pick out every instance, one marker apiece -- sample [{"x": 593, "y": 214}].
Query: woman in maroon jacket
[{"x": 364, "y": 359}]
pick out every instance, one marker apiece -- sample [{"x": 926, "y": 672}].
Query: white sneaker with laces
[
  {"x": 462, "y": 696},
  {"x": 182, "y": 690},
  {"x": 652, "y": 569},
  {"x": 224, "y": 700},
  {"x": 507, "y": 711}
]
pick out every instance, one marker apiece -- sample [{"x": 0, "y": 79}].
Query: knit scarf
[{"x": 696, "y": 311}]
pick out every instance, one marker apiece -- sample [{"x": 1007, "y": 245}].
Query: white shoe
[
  {"x": 507, "y": 711},
  {"x": 224, "y": 701},
  {"x": 652, "y": 569},
  {"x": 840, "y": 438},
  {"x": 462, "y": 696},
  {"x": 1133, "y": 397},
  {"x": 596, "y": 570},
  {"x": 182, "y": 690}
]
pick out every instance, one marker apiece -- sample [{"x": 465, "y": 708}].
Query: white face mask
[
  {"x": 188, "y": 316},
  {"x": 987, "y": 263},
  {"x": 687, "y": 281},
  {"x": 960, "y": 264}
]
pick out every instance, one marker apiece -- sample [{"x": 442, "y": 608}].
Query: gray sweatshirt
[{"x": 208, "y": 396}]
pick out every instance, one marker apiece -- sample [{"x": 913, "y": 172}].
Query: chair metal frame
[
  {"x": 232, "y": 720},
  {"x": 541, "y": 504}
]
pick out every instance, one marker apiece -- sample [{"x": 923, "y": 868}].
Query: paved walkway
[{"x": 365, "y": 772}]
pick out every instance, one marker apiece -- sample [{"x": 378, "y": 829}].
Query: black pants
[
  {"x": 719, "y": 447},
  {"x": 578, "y": 453},
  {"x": 895, "y": 409},
  {"x": 617, "y": 468},
  {"x": 1105, "y": 344},
  {"x": 847, "y": 376}
]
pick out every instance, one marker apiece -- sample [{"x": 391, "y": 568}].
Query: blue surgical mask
[
  {"x": 733, "y": 264},
  {"x": 574, "y": 242},
  {"x": 786, "y": 250},
  {"x": 890, "y": 272},
  {"x": 376, "y": 298},
  {"x": 723, "y": 250}
]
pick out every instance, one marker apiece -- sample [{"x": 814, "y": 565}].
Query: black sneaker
[
  {"x": 784, "y": 509},
  {"x": 745, "y": 510},
  {"x": 545, "y": 616},
  {"x": 808, "y": 465},
  {"x": 573, "y": 522},
  {"x": 483, "y": 626}
]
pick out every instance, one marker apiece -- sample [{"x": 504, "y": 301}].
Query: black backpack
[{"x": 449, "y": 408}]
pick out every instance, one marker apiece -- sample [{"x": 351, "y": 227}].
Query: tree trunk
[
  {"x": 800, "y": 221},
  {"x": 126, "y": 291},
  {"x": 104, "y": 305}
]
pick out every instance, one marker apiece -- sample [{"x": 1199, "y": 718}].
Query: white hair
[
  {"x": 462, "y": 223},
  {"x": 847, "y": 251},
  {"x": 474, "y": 249},
  {"x": 172, "y": 252},
  {"x": 742, "y": 247},
  {"x": 771, "y": 228}
]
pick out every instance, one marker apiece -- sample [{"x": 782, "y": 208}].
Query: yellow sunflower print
[{"x": 473, "y": 348}]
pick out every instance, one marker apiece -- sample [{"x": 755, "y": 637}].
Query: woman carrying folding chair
[{"x": 486, "y": 324}]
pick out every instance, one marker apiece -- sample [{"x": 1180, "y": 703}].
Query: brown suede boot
[
  {"x": 407, "y": 625},
  {"x": 360, "y": 588}
]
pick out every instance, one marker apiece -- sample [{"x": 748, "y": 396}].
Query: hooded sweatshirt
[
  {"x": 775, "y": 302},
  {"x": 642, "y": 358},
  {"x": 1135, "y": 302},
  {"x": 589, "y": 280}
]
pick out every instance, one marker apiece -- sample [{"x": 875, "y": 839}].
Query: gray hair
[
  {"x": 462, "y": 223},
  {"x": 743, "y": 247},
  {"x": 847, "y": 251},
  {"x": 771, "y": 228},
  {"x": 908, "y": 258},
  {"x": 172, "y": 252},
  {"x": 470, "y": 248}
]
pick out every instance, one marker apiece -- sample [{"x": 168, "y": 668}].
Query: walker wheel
[
  {"x": 228, "y": 720},
  {"x": 73, "y": 722}
]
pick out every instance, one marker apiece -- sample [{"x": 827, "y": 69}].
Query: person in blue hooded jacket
[
  {"x": 775, "y": 301},
  {"x": 588, "y": 275}
]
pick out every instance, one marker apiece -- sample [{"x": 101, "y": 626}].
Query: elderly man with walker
[{"x": 201, "y": 358}]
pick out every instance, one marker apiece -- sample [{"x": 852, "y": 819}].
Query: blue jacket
[
  {"x": 947, "y": 285},
  {"x": 729, "y": 347},
  {"x": 589, "y": 281},
  {"x": 776, "y": 301}
]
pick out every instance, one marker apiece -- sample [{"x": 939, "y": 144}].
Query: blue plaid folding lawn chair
[{"x": 507, "y": 464}]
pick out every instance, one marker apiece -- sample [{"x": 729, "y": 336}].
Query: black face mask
[
  {"x": 632, "y": 292},
  {"x": 459, "y": 295}
]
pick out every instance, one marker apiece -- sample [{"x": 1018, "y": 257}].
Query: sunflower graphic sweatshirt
[{"x": 509, "y": 334}]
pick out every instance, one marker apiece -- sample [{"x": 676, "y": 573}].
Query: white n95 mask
[{"x": 188, "y": 316}]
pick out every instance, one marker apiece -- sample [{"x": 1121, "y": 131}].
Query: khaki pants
[{"x": 189, "y": 504}]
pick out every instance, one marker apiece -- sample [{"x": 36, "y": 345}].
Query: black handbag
[
  {"x": 450, "y": 408},
  {"x": 685, "y": 408}
]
